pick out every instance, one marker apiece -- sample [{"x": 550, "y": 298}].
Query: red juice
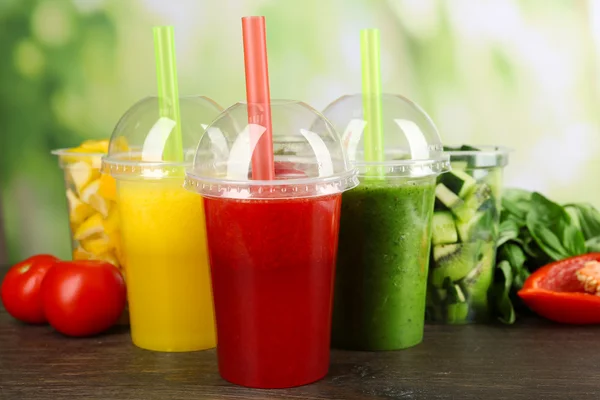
[{"x": 272, "y": 266}]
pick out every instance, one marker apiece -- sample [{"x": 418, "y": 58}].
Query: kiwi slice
[
  {"x": 477, "y": 282},
  {"x": 453, "y": 261}
]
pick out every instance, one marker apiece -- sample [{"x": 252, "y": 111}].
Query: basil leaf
[
  {"x": 552, "y": 229},
  {"x": 593, "y": 245},
  {"x": 588, "y": 218},
  {"x": 573, "y": 240},
  {"x": 501, "y": 293},
  {"x": 547, "y": 240},
  {"x": 516, "y": 203},
  {"x": 574, "y": 214},
  {"x": 519, "y": 279},
  {"x": 509, "y": 230},
  {"x": 514, "y": 255}
]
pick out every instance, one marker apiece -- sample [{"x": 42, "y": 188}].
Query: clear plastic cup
[
  {"x": 465, "y": 232},
  {"x": 92, "y": 206},
  {"x": 272, "y": 243},
  {"x": 163, "y": 236},
  {"x": 385, "y": 228}
]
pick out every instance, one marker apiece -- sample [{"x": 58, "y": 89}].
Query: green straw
[
  {"x": 371, "y": 94},
  {"x": 168, "y": 93}
]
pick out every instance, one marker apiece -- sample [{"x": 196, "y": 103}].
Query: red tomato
[
  {"x": 83, "y": 298},
  {"x": 20, "y": 289}
]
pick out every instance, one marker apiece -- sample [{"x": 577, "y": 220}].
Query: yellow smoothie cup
[{"x": 164, "y": 246}]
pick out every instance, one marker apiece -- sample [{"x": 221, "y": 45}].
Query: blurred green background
[{"x": 521, "y": 73}]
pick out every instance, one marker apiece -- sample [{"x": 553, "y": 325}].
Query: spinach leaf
[
  {"x": 588, "y": 218},
  {"x": 514, "y": 254},
  {"x": 552, "y": 229},
  {"x": 516, "y": 204},
  {"x": 509, "y": 230},
  {"x": 573, "y": 240},
  {"x": 501, "y": 293},
  {"x": 593, "y": 245}
]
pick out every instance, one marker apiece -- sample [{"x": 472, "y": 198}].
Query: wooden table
[{"x": 530, "y": 360}]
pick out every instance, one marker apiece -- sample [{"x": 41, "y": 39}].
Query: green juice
[{"x": 383, "y": 259}]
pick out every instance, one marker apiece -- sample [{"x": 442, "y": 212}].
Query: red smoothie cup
[{"x": 272, "y": 243}]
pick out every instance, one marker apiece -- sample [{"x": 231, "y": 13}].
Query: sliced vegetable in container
[{"x": 464, "y": 236}]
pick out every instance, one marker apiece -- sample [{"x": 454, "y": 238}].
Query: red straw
[{"x": 257, "y": 95}]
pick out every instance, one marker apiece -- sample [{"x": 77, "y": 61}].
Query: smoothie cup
[
  {"x": 465, "y": 231},
  {"x": 164, "y": 244},
  {"x": 92, "y": 206},
  {"x": 272, "y": 243},
  {"x": 385, "y": 228}
]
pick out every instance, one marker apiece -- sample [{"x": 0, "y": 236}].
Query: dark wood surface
[{"x": 530, "y": 360}]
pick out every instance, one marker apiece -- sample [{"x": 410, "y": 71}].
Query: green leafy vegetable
[
  {"x": 587, "y": 218},
  {"x": 503, "y": 279},
  {"x": 534, "y": 231},
  {"x": 509, "y": 230},
  {"x": 593, "y": 244},
  {"x": 552, "y": 229}
]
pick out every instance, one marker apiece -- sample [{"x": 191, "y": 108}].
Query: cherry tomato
[
  {"x": 83, "y": 298},
  {"x": 20, "y": 289}
]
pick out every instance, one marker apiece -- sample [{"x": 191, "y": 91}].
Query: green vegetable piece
[
  {"x": 479, "y": 227},
  {"x": 593, "y": 244},
  {"x": 449, "y": 148},
  {"x": 501, "y": 293},
  {"x": 447, "y": 197},
  {"x": 509, "y": 230},
  {"x": 466, "y": 147},
  {"x": 552, "y": 229},
  {"x": 473, "y": 203},
  {"x": 515, "y": 256},
  {"x": 586, "y": 217},
  {"x": 516, "y": 203},
  {"x": 453, "y": 262},
  {"x": 459, "y": 182},
  {"x": 443, "y": 228},
  {"x": 477, "y": 283},
  {"x": 457, "y": 313}
]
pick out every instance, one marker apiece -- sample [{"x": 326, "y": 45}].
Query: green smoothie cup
[
  {"x": 464, "y": 235},
  {"x": 385, "y": 225}
]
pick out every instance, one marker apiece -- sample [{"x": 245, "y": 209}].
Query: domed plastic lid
[
  {"x": 397, "y": 139},
  {"x": 147, "y": 145},
  {"x": 308, "y": 156}
]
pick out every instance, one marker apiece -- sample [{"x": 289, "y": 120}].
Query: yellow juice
[{"x": 166, "y": 266}]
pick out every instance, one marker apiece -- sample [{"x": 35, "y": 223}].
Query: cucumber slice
[
  {"x": 479, "y": 227},
  {"x": 444, "y": 228},
  {"x": 471, "y": 204},
  {"x": 452, "y": 262},
  {"x": 459, "y": 182},
  {"x": 447, "y": 197}
]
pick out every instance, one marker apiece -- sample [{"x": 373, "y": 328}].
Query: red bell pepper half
[{"x": 557, "y": 291}]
